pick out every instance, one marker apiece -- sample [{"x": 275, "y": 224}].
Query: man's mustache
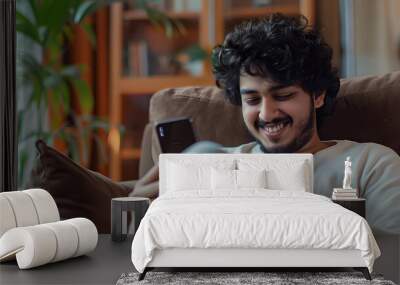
[{"x": 261, "y": 123}]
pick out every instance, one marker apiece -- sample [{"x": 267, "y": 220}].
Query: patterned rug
[{"x": 243, "y": 278}]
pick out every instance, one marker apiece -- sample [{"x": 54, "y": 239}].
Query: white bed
[{"x": 201, "y": 220}]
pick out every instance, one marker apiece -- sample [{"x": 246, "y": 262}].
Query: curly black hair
[{"x": 282, "y": 48}]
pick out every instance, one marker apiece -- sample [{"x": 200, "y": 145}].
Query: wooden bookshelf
[
  {"x": 132, "y": 153},
  {"x": 151, "y": 85},
  {"x": 141, "y": 15},
  {"x": 206, "y": 27},
  {"x": 261, "y": 11}
]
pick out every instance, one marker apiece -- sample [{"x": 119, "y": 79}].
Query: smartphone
[{"x": 175, "y": 135}]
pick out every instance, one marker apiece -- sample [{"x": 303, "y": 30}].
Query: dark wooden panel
[
  {"x": 357, "y": 206},
  {"x": 8, "y": 103}
]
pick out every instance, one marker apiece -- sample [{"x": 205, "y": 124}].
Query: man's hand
[{"x": 147, "y": 186}]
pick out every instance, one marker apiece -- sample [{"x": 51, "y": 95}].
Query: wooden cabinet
[
  {"x": 355, "y": 205},
  {"x": 143, "y": 60}
]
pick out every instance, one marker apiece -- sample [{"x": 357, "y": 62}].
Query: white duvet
[{"x": 250, "y": 219}]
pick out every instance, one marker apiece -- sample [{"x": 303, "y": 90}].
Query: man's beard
[{"x": 300, "y": 141}]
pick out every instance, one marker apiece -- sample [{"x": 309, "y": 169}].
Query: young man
[{"x": 279, "y": 70}]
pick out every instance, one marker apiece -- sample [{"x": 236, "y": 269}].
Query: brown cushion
[
  {"x": 366, "y": 110},
  {"x": 78, "y": 192}
]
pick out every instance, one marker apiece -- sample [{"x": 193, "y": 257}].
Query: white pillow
[
  {"x": 290, "y": 179},
  {"x": 282, "y": 174},
  {"x": 251, "y": 178},
  {"x": 225, "y": 179},
  {"x": 181, "y": 177},
  {"x": 193, "y": 174}
]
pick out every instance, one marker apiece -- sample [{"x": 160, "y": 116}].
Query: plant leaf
[
  {"x": 52, "y": 17},
  {"x": 37, "y": 94},
  {"x": 83, "y": 10},
  {"x": 160, "y": 19},
  {"x": 70, "y": 71},
  {"x": 23, "y": 156},
  {"x": 36, "y": 135},
  {"x": 195, "y": 52},
  {"x": 101, "y": 148},
  {"x": 57, "y": 116},
  {"x": 90, "y": 33},
  {"x": 63, "y": 97},
  {"x": 84, "y": 94},
  {"x": 24, "y": 26},
  {"x": 169, "y": 29},
  {"x": 33, "y": 6},
  {"x": 52, "y": 79},
  {"x": 71, "y": 142},
  {"x": 99, "y": 125}
]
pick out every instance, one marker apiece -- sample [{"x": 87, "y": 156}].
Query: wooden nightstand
[{"x": 355, "y": 205}]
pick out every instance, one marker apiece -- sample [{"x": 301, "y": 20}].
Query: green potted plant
[{"x": 49, "y": 25}]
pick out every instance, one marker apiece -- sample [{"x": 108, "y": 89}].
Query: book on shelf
[
  {"x": 136, "y": 5},
  {"x": 144, "y": 58},
  {"x": 261, "y": 3},
  {"x": 138, "y": 58},
  {"x": 193, "y": 5},
  {"x": 240, "y": 4},
  {"x": 185, "y": 5},
  {"x": 178, "y": 5},
  {"x": 133, "y": 65}
]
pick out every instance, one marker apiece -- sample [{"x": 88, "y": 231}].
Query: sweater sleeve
[{"x": 381, "y": 187}]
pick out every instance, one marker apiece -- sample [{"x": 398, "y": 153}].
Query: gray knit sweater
[{"x": 375, "y": 172}]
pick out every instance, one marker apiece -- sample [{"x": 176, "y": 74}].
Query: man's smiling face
[{"x": 281, "y": 118}]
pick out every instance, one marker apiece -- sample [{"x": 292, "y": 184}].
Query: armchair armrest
[
  {"x": 146, "y": 159},
  {"x": 128, "y": 184}
]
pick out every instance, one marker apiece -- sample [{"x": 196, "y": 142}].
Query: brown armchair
[{"x": 366, "y": 110}]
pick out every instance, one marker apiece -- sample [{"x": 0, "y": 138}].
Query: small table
[
  {"x": 119, "y": 207},
  {"x": 355, "y": 205},
  {"x": 104, "y": 265}
]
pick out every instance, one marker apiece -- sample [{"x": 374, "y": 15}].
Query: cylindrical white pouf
[
  {"x": 34, "y": 245},
  {"x": 23, "y": 208},
  {"x": 87, "y": 234},
  {"x": 7, "y": 218},
  {"x": 40, "y": 244},
  {"x": 45, "y": 205},
  {"x": 67, "y": 240}
]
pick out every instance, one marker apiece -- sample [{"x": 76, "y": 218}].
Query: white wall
[{"x": 370, "y": 36}]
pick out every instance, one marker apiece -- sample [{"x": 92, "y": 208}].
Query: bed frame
[
  {"x": 250, "y": 258},
  {"x": 242, "y": 259}
]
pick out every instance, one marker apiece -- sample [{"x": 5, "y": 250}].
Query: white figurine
[{"x": 347, "y": 174}]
